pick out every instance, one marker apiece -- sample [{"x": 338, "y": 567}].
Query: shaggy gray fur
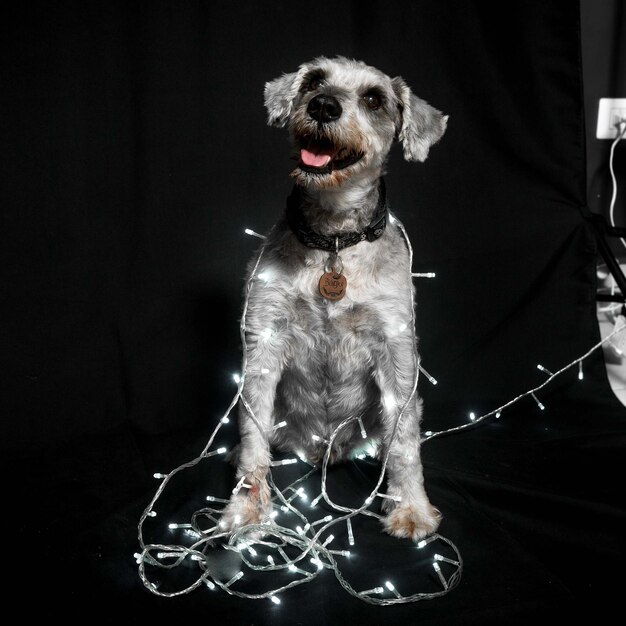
[{"x": 314, "y": 362}]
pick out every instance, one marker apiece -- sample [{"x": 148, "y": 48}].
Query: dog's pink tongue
[{"x": 314, "y": 160}]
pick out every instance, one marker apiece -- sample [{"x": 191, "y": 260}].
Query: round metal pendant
[{"x": 333, "y": 285}]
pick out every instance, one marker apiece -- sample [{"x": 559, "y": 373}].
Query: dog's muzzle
[{"x": 319, "y": 154}]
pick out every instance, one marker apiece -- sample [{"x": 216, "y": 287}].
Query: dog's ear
[
  {"x": 279, "y": 96},
  {"x": 420, "y": 125}
]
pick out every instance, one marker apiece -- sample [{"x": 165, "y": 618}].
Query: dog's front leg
[
  {"x": 265, "y": 348},
  {"x": 410, "y": 514}
]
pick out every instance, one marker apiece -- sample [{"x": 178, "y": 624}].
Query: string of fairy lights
[{"x": 294, "y": 539}]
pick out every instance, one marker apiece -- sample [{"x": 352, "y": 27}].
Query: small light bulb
[
  {"x": 316, "y": 500},
  {"x": 274, "y": 599},
  {"x": 472, "y": 416},
  {"x": 580, "y": 371},
  {"x": 539, "y": 404},
  {"x": 350, "y": 534},
  {"x": 210, "y": 584},
  {"x": 225, "y": 420},
  {"x": 158, "y": 475},
  {"x": 270, "y": 559},
  {"x": 328, "y": 540},
  {"x": 237, "y": 378}
]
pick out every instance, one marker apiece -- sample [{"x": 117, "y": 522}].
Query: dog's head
[{"x": 343, "y": 117}]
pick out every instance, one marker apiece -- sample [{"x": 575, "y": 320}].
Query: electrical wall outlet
[{"x": 610, "y": 111}]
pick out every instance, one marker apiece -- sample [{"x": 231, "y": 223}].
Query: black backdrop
[{"x": 135, "y": 152}]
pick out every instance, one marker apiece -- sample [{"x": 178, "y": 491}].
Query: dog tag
[{"x": 333, "y": 285}]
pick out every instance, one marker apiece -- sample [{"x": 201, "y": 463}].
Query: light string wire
[
  {"x": 305, "y": 538},
  {"x": 621, "y": 131}
]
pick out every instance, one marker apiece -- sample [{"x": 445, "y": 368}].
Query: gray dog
[{"x": 329, "y": 337}]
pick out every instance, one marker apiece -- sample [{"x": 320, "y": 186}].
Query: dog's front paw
[
  {"x": 251, "y": 505},
  {"x": 406, "y": 521}
]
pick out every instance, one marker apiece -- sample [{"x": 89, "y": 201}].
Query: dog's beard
[{"x": 323, "y": 163}]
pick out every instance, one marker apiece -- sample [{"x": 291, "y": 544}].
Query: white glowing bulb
[
  {"x": 234, "y": 579},
  {"x": 317, "y": 562},
  {"x": 539, "y": 404},
  {"x": 498, "y": 413},
  {"x": 225, "y": 420},
  {"x": 214, "y": 499},
  {"x": 279, "y": 425},
  {"x": 152, "y": 514},
  {"x": 274, "y": 599},
  {"x": 362, "y": 428},
  {"x": 368, "y": 501},
  {"x": 543, "y": 369},
  {"x": 174, "y": 526},
  {"x": 350, "y": 533},
  {"x": 220, "y": 450},
  {"x": 138, "y": 557},
  {"x": 210, "y": 584},
  {"x": 424, "y": 542},
  {"x": 437, "y": 569},
  {"x": 391, "y": 588},
  {"x": 316, "y": 500},
  {"x": 328, "y": 540},
  {"x": 274, "y": 514},
  {"x": 428, "y": 433},
  {"x": 266, "y": 333},
  {"x": 316, "y": 438},
  {"x": 249, "y": 231},
  {"x": 402, "y": 327},
  {"x": 270, "y": 559},
  {"x": 431, "y": 379},
  {"x": 237, "y": 378},
  {"x": 265, "y": 276},
  {"x": 283, "y": 462},
  {"x": 472, "y": 416},
  {"x": 299, "y": 530},
  {"x": 158, "y": 475},
  {"x": 389, "y": 401},
  {"x": 444, "y": 559},
  {"x": 264, "y": 370},
  {"x": 251, "y": 550},
  {"x": 292, "y": 568},
  {"x": 580, "y": 371}
]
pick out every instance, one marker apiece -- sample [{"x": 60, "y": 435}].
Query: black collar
[{"x": 311, "y": 239}]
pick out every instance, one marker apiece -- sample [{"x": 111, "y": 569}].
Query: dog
[{"x": 329, "y": 330}]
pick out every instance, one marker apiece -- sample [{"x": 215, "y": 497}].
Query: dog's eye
[
  {"x": 315, "y": 82},
  {"x": 373, "y": 100}
]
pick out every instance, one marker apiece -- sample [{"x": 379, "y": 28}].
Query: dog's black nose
[{"x": 324, "y": 108}]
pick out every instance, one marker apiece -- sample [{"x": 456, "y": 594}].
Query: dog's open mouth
[{"x": 322, "y": 156}]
